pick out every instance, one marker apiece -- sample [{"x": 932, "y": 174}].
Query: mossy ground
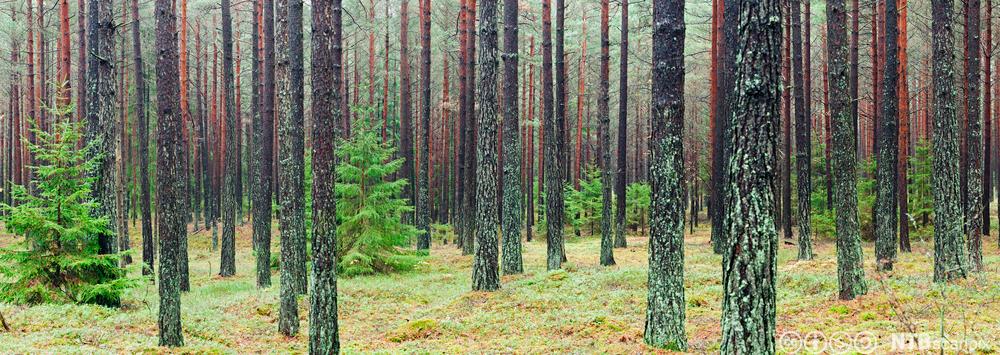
[{"x": 583, "y": 308}]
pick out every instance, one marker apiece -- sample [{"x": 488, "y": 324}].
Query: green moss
[{"x": 413, "y": 330}]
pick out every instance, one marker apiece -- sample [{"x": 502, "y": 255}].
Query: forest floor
[{"x": 584, "y": 308}]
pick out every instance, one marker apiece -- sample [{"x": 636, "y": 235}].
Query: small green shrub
[
  {"x": 57, "y": 261},
  {"x": 371, "y": 234}
]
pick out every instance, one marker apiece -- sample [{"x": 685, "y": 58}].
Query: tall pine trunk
[
  {"x": 620, "y": 178},
  {"x": 748, "y": 309},
  {"x": 974, "y": 139},
  {"x": 227, "y": 263},
  {"x": 886, "y": 174},
  {"x": 171, "y": 216},
  {"x": 850, "y": 273},
  {"x": 604, "y": 141},
  {"x": 288, "y": 67},
  {"x": 326, "y": 108},
  {"x": 511, "y": 219},
  {"x": 553, "y": 181},
  {"x": 148, "y": 249},
  {"x": 950, "y": 256},
  {"x": 423, "y": 205},
  {"x": 485, "y": 276},
  {"x": 665, "y": 299},
  {"x": 101, "y": 123}
]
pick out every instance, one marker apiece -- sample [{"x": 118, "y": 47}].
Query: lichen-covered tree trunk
[
  {"x": 148, "y": 247},
  {"x": 511, "y": 220},
  {"x": 553, "y": 181},
  {"x": 850, "y": 273},
  {"x": 749, "y": 266},
  {"x": 561, "y": 137},
  {"x": 471, "y": 163},
  {"x": 171, "y": 213},
  {"x": 288, "y": 78},
  {"x": 263, "y": 132},
  {"x": 720, "y": 151},
  {"x": 405, "y": 108},
  {"x": 950, "y": 254},
  {"x": 803, "y": 130},
  {"x": 604, "y": 142},
  {"x": 101, "y": 124},
  {"x": 974, "y": 139},
  {"x": 227, "y": 263},
  {"x": 886, "y": 174},
  {"x": 423, "y": 205},
  {"x": 620, "y": 178},
  {"x": 665, "y": 313},
  {"x": 327, "y": 52},
  {"x": 485, "y": 276}
]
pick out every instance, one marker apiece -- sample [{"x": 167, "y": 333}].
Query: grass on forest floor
[{"x": 583, "y": 308}]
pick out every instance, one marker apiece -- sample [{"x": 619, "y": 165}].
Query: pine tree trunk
[
  {"x": 974, "y": 139},
  {"x": 326, "y": 64},
  {"x": 101, "y": 123},
  {"x": 263, "y": 133},
  {"x": 288, "y": 69},
  {"x": 904, "y": 131},
  {"x": 227, "y": 263},
  {"x": 148, "y": 249},
  {"x": 987, "y": 115},
  {"x": 81, "y": 77},
  {"x": 665, "y": 313},
  {"x": 511, "y": 219},
  {"x": 803, "y": 130},
  {"x": 886, "y": 175},
  {"x": 462, "y": 223},
  {"x": 748, "y": 309},
  {"x": 471, "y": 203},
  {"x": 485, "y": 276},
  {"x": 950, "y": 258},
  {"x": 405, "y": 110},
  {"x": 553, "y": 181},
  {"x": 423, "y": 205},
  {"x": 604, "y": 141},
  {"x": 170, "y": 217},
  {"x": 620, "y": 241},
  {"x": 850, "y": 273}
]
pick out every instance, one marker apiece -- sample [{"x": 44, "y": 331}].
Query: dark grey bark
[
  {"x": 148, "y": 245},
  {"x": 950, "y": 258},
  {"x": 604, "y": 141},
  {"x": 485, "y": 273},
  {"x": 553, "y": 180},
  {"x": 620, "y": 241},
  {"x": 561, "y": 136},
  {"x": 665, "y": 313},
  {"x": 803, "y": 144},
  {"x": 974, "y": 138},
  {"x": 327, "y": 52},
  {"x": 288, "y": 70},
  {"x": 721, "y": 151},
  {"x": 423, "y": 204},
  {"x": 749, "y": 267},
  {"x": 227, "y": 263},
  {"x": 101, "y": 119},
  {"x": 850, "y": 271},
  {"x": 263, "y": 150},
  {"x": 171, "y": 216},
  {"x": 511, "y": 227},
  {"x": 471, "y": 163},
  {"x": 887, "y": 167}
]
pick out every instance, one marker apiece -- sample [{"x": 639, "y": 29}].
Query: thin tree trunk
[
  {"x": 227, "y": 263},
  {"x": 423, "y": 205},
  {"x": 904, "y": 130},
  {"x": 974, "y": 139},
  {"x": 264, "y": 149},
  {"x": 604, "y": 141},
  {"x": 620, "y": 241}
]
